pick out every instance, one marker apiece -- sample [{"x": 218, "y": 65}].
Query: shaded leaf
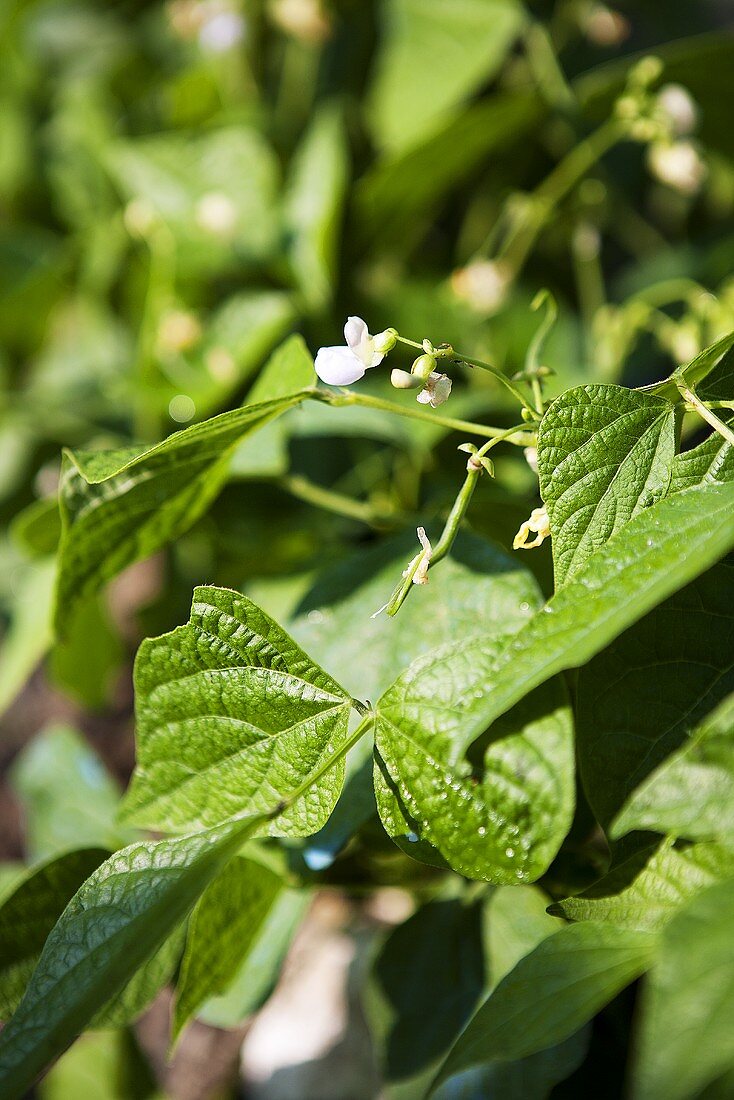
[
  {"x": 28, "y": 914},
  {"x": 691, "y": 794},
  {"x": 120, "y": 506},
  {"x": 117, "y": 920},
  {"x": 313, "y": 204},
  {"x": 29, "y": 634},
  {"x": 68, "y": 797},
  {"x": 686, "y": 1037},
  {"x": 550, "y": 994},
  {"x": 411, "y": 93},
  {"x": 434, "y": 957},
  {"x": 252, "y": 982},
  {"x": 223, "y": 928},
  {"x": 661, "y": 883},
  {"x": 641, "y": 698}
]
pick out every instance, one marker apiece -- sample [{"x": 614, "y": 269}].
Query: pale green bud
[
  {"x": 423, "y": 366},
  {"x": 385, "y": 341},
  {"x": 401, "y": 380}
]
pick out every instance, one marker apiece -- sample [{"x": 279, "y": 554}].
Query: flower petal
[
  {"x": 355, "y": 332},
  {"x": 338, "y": 366}
]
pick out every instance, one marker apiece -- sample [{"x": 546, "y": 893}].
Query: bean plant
[{"x": 509, "y": 694}]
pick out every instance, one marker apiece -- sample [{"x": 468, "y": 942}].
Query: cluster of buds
[
  {"x": 664, "y": 120},
  {"x": 434, "y": 387}
]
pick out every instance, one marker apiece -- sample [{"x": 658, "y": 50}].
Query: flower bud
[
  {"x": 423, "y": 366},
  {"x": 679, "y": 109},
  {"x": 678, "y": 165},
  {"x": 401, "y": 380},
  {"x": 646, "y": 71},
  {"x": 385, "y": 341}
]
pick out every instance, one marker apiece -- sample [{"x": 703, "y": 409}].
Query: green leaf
[
  {"x": 313, "y": 205},
  {"x": 550, "y": 994},
  {"x": 120, "y": 506},
  {"x": 288, "y": 370},
  {"x": 481, "y": 587},
  {"x": 697, "y": 370},
  {"x": 395, "y": 197},
  {"x": 530, "y": 1078},
  {"x": 434, "y": 957},
  {"x": 111, "y": 927},
  {"x": 660, "y": 884},
  {"x": 28, "y": 914},
  {"x": 604, "y": 454},
  {"x": 186, "y": 182},
  {"x": 500, "y": 816},
  {"x": 238, "y": 335},
  {"x": 29, "y": 634},
  {"x": 334, "y": 622},
  {"x": 691, "y": 794},
  {"x": 223, "y": 929},
  {"x": 107, "y": 1065},
  {"x": 68, "y": 797},
  {"x": 516, "y": 920},
  {"x": 252, "y": 982},
  {"x": 87, "y": 673},
  {"x": 710, "y": 463},
  {"x": 641, "y": 698},
  {"x": 37, "y": 529},
  {"x": 637, "y": 569},
  {"x": 433, "y": 58},
  {"x": 427, "y": 721},
  {"x": 686, "y": 1037},
  {"x": 231, "y": 717}
]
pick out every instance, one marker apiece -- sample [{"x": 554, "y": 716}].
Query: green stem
[
  {"x": 704, "y": 412},
  {"x": 547, "y": 73},
  {"x": 502, "y": 378},
  {"x": 325, "y": 766},
  {"x": 456, "y": 355},
  {"x": 466, "y": 426},
  {"x": 560, "y": 181},
  {"x": 331, "y": 501},
  {"x": 444, "y": 544}
]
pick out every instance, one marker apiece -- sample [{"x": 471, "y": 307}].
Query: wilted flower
[
  {"x": 436, "y": 390},
  {"x": 421, "y": 574},
  {"x": 538, "y": 525},
  {"x": 678, "y": 165},
  {"x": 340, "y": 366}
]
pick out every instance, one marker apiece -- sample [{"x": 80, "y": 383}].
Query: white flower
[
  {"x": 436, "y": 390},
  {"x": 216, "y": 213},
  {"x": 538, "y": 524},
  {"x": 678, "y": 165},
  {"x": 340, "y": 366},
  {"x": 221, "y": 30},
  {"x": 482, "y": 284},
  {"x": 679, "y": 108}
]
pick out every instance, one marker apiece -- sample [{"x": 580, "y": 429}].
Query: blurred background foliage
[{"x": 183, "y": 184}]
